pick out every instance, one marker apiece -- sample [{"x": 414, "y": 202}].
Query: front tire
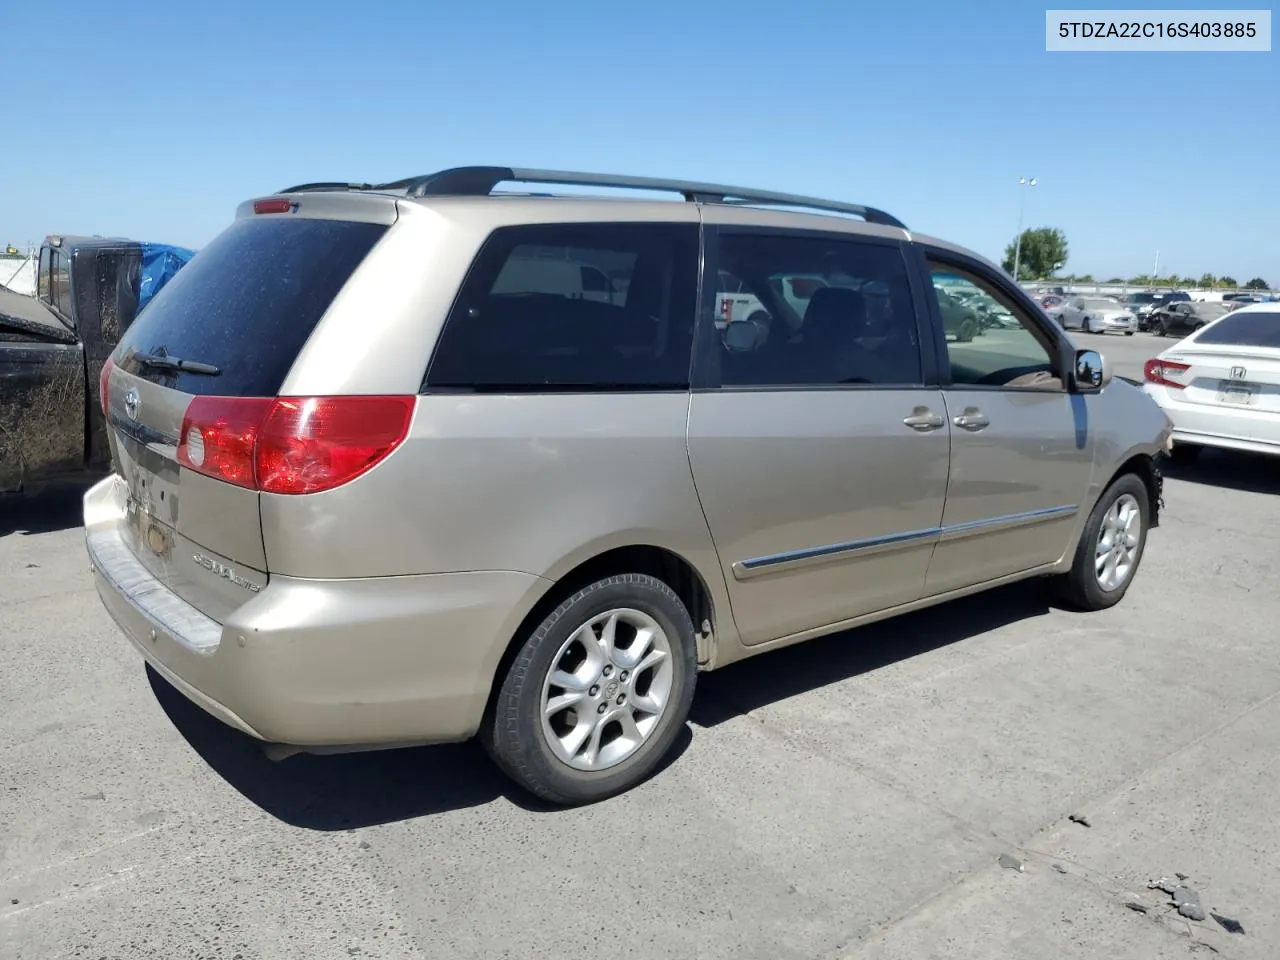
[
  {"x": 1110, "y": 549},
  {"x": 1157, "y": 328},
  {"x": 597, "y": 694}
]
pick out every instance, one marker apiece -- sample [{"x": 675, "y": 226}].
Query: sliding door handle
[{"x": 924, "y": 421}]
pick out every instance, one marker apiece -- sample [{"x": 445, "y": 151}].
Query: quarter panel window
[
  {"x": 833, "y": 311},
  {"x": 60, "y": 283},
  {"x": 608, "y": 306},
  {"x": 43, "y": 273},
  {"x": 990, "y": 341}
]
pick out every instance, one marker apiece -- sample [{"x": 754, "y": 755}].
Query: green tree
[
  {"x": 1257, "y": 283},
  {"x": 1227, "y": 282},
  {"x": 1209, "y": 280},
  {"x": 1116, "y": 280},
  {"x": 1044, "y": 251},
  {"x": 1086, "y": 278}
]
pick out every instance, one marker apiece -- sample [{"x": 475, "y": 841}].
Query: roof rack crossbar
[{"x": 480, "y": 181}]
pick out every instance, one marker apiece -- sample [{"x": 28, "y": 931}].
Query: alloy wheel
[
  {"x": 607, "y": 689},
  {"x": 1119, "y": 535}
]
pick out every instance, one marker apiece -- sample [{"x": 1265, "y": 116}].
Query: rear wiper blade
[{"x": 164, "y": 362}]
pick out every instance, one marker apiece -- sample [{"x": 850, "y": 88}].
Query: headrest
[{"x": 835, "y": 312}]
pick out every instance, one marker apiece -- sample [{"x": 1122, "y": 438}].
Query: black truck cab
[{"x": 52, "y": 349}]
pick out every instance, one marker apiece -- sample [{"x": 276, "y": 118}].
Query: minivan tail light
[
  {"x": 1159, "y": 371},
  {"x": 291, "y": 445},
  {"x": 104, "y": 392}
]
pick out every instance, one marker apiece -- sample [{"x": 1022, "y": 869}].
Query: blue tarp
[{"x": 160, "y": 262}]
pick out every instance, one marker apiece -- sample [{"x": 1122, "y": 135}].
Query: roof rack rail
[{"x": 480, "y": 181}]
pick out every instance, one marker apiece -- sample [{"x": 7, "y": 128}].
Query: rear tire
[
  {"x": 620, "y": 706},
  {"x": 1110, "y": 548}
]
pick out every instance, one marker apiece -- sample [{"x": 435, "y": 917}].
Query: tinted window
[
  {"x": 42, "y": 275},
  {"x": 60, "y": 283},
  {"x": 531, "y": 315},
  {"x": 1260, "y": 329},
  {"x": 247, "y": 302},
  {"x": 836, "y": 311},
  {"x": 1007, "y": 350}
]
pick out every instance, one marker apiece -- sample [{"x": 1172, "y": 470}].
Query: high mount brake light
[
  {"x": 291, "y": 445},
  {"x": 272, "y": 206},
  {"x": 1158, "y": 371}
]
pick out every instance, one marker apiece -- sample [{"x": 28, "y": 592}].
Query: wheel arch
[
  {"x": 1147, "y": 469},
  {"x": 673, "y": 569}
]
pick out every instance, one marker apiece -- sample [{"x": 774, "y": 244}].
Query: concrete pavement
[{"x": 848, "y": 798}]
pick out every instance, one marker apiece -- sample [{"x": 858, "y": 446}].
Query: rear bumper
[
  {"x": 332, "y": 663},
  {"x": 1256, "y": 431}
]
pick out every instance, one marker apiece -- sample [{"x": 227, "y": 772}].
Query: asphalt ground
[{"x": 898, "y": 791}]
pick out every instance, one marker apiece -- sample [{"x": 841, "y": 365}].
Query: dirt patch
[{"x": 42, "y": 415}]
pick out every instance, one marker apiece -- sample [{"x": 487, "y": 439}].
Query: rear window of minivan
[{"x": 247, "y": 302}]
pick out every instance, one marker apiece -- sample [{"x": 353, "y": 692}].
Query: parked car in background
[
  {"x": 1095, "y": 315},
  {"x": 53, "y": 346},
  {"x": 1184, "y": 316},
  {"x": 1143, "y": 302},
  {"x": 959, "y": 322},
  {"x": 735, "y": 303},
  {"x": 1051, "y": 300},
  {"x": 534, "y": 517},
  {"x": 1221, "y": 385}
]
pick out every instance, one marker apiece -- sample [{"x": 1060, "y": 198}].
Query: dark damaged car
[{"x": 53, "y": 347}]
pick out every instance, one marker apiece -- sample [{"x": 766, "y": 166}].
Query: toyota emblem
[{"x": 131, "y": 403}]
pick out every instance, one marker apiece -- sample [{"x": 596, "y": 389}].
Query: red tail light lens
[
  {"x": 291, "y": 445},
  {"x": 317, "y": 443},
  {"x": 103, "y": 391},
  {"x": 272, "y": 206},
  {"x": 1159, "y": 371}
]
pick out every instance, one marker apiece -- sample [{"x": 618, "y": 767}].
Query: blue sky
[{"x": 155, "y": 120}]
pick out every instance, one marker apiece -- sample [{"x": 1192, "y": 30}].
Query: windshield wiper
[{"x": 165, "y": 362}]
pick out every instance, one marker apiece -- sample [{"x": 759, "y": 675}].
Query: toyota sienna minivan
[{"x": 363, "y": 498}]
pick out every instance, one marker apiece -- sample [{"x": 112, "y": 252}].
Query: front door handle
[
  {"x": 972, "y": 419},
  {"x": 924, "y": 420}
]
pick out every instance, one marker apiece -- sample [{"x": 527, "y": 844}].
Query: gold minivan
[{"x": 366, "y": 496}]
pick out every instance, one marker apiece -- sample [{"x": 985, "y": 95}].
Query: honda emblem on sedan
[
  {"x": 131, "y": 403},
  {"x": 1237, "y": 373}
]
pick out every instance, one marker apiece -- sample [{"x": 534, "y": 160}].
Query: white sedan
[
  {"x": 1221, "y": 385},
  {"x": 1095, "y": 315}
]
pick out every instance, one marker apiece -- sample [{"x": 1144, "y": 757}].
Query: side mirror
[{"x": 1092, "y": 373}]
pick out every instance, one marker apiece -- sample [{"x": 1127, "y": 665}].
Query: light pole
[{"x": 1022, "y": 207}]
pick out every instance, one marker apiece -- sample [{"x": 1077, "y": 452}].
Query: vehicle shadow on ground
[
  {"x": 750, "y": 684},
  {"x": 346, "y": 791},
  {"x": 1246, "y": 472},
  {"x": 53, "y": 509}
]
